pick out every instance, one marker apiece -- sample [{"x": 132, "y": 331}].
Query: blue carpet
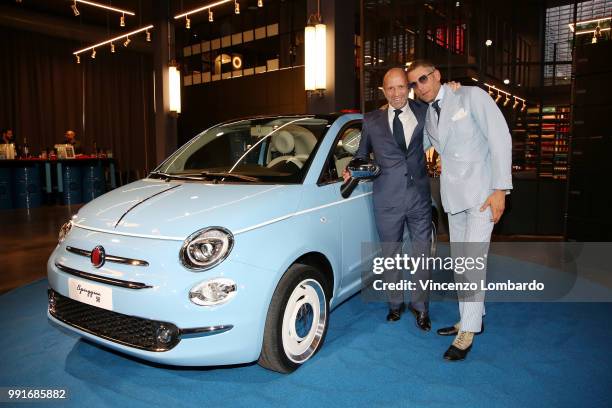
[{"x": 531, "y": 355}]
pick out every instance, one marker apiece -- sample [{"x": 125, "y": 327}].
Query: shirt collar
[
  {"x": 391, "y": 109},
  {"x": 440, "y": 95}
]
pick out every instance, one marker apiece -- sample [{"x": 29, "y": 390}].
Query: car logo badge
[{"x": 98, "y": 256}]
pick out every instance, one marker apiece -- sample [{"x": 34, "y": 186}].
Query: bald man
[
  {"x": 70, "y": 138},
  {"x": 401, "y": 194}
]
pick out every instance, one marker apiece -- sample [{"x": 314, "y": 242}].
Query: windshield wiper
[
  {"x": 167, "y": 176},
  {"x": 223, "y": 175}
]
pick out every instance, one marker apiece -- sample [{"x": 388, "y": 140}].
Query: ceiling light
[
  {"x": 127, "y": 41},
  {"x": 210, "y": 16},
  {"x": 110, "y": 40},
  {"x": 148, "y": 36},
  {"x": 78, "y": 59},
  {"x": 259, "y": 3},
  {"x": 498, "y": 97},
  {"x": 236, "y": 7},
  {"x": 122, "y": 20},
  {"x": 488, "y": 43},
  {"x": 506, "y": 81},
  {"x": 75, "y": 10},
  {"x": 112, "y": 48},
  {"x": 93, "y": 53},
  {"x": 187, "y": 23},
  {"x": 105, "y": 7}
]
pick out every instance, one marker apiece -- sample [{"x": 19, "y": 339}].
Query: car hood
[{"x": 174, "y": 210}]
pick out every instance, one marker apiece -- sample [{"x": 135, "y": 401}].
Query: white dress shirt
[{"x": 407, "y": 119}]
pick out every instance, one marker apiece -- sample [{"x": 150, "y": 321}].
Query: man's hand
[
  {"x": 497, "y": 202},
  {"x": 454, "y": 85},
  {"x": 346, "y": 175}
]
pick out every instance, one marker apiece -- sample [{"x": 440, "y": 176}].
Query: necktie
[
  {"x": 436, "y": 106},
  {"x": 398, "y": 130}
]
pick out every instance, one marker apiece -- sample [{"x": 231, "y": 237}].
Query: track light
[
  {"x": 236, "y": 7},
  {"x": 498, "y": 97},
  {"x": 210, "y": 16},
  {"x": 259, "y": 3},
  {"x": 127, "y": 41},
  {"x": 78, "y": 59},
  {"x": 93, "y": 53},
  {"x": 516, "y": 102},
  {"x": 507, "y": 100},
  {"x": 122, "y": 20},
  {"x": 148, "y": 36},
  {"x": 112, "y": 48},
  {"x": 187, "y": 23},
  {"x": 75, "y": 10},
  {"x": 524, "y": 106}
]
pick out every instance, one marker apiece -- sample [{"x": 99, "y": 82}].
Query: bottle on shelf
[{"x": 26, "y": 149}]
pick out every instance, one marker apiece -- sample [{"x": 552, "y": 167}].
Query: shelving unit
[{"x": 554, "y": 136}]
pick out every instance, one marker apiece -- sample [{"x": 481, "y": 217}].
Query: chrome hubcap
[{"x": 304, "y": 321}]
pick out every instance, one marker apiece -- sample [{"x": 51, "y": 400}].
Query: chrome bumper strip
[
  {"x": 204, "y": 331},
  {"x": 109, "y": 258},
  {"x": 102, "y": 279}
]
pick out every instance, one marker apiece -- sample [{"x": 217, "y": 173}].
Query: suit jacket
[
  {"x": 400, "y": 168},
  {"x": 475, "y": 146}
]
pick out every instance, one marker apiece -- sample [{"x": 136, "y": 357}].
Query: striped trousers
[{"x": 470, "y": 235}]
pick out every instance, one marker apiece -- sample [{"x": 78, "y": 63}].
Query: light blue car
[{"x": 233, "y": 250}]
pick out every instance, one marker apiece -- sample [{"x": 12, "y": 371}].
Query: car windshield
[{"x": 267, "y": 150}]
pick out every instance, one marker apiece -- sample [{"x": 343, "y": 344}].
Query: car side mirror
[{"x": 360, "y": 169}]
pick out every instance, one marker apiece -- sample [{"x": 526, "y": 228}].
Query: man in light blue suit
[{"x": 470, "y": 134}]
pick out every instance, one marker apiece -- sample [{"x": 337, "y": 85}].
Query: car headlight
[
  {"x": 64, "y": 230},
  {"x": 213, "y": 292},
  {"x": 206, "y": 248}
]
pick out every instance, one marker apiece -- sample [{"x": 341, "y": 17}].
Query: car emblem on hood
[{"x": 98, "y": 256}]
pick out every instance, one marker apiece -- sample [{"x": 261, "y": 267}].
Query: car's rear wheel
[{"x": 297, "y": 319}]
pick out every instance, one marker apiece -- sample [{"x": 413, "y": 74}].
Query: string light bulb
[
  {"x": 112, "y": 48},
  {"x": 259, "y": 3},
  {"x": 122, "y": 20},
  {"x": 93, "y": 54},
  {"x": 127, "y": 41},
  {"x": 210, "y": 16},
  {"x": 187, "y": 23},
  {"x": 236, "y": 7},
  {"x": 148, "y": 36},
  {"x": 74, "y": 8}
]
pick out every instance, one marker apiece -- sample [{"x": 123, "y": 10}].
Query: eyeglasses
[{"x": 422, "y": 80}]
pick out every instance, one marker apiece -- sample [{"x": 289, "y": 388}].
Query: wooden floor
[{"x": 26, "y": 241}]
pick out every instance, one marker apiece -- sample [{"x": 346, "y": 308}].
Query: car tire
[{"x": 297, "y": 319}]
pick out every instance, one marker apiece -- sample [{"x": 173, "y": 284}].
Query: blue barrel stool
[
  {"x": 72, "y": 181},
  {"x": 6, "y": 199},
  {"x": 28, "y": 190},
  {"x": 93, "y": 181}
]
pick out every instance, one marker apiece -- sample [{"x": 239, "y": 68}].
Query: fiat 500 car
[{"x": 233, "y": 250}]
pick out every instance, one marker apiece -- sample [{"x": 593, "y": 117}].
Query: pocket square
[{"x": 460, "y": 114}]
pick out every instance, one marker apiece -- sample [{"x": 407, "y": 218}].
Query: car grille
[{"x": 131, "y": 331}]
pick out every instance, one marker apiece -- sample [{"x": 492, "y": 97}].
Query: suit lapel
[
  {"x": 417, "y": 111},
  {"x": 447, "y": 110}
]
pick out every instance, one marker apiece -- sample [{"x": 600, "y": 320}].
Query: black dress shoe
[
  {"x": 395, "y": 314},
  {"x": 456, "y": 354},
  {"x": 421, "y": 319},
  {"x": 452, "y": 331}
]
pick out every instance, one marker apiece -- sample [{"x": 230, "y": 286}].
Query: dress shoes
[
  {"x": 421, "y": 319},
  {"x": 395, "y": 314},
  {"x": 453, "y": 330},
  {"x": 461, "y": 346}
]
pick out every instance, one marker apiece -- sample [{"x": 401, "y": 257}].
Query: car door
[{"x": 355, "y": 213}]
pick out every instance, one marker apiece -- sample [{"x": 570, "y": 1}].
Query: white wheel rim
[{"x": 304, "y": 321}]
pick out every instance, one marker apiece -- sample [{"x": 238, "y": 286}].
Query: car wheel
[{"x": 297, "y": 319}]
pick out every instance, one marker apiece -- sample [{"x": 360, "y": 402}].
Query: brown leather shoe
[{"x": 461, "y": 346}]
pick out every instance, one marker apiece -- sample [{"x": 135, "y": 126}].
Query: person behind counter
[
  {"x": 70, "y": 138},
  {"x": 7, "y": 136}
]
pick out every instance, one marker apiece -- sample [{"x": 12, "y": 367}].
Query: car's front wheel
[{"x": 297, "y": 319}]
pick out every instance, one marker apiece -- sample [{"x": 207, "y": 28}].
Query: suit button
[{"x": 405, "y": 174}]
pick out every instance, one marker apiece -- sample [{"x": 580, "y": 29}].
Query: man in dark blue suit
[{"x": 401, "y": 193}]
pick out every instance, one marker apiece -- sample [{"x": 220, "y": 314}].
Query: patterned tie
[
  {"x": 437, "y": 108},
  {"x": 398, "y": 130}
]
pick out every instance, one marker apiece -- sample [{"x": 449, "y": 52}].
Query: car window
[
  {"x": 343, "y": 151},
  {"x": 277, "y": 149}
]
